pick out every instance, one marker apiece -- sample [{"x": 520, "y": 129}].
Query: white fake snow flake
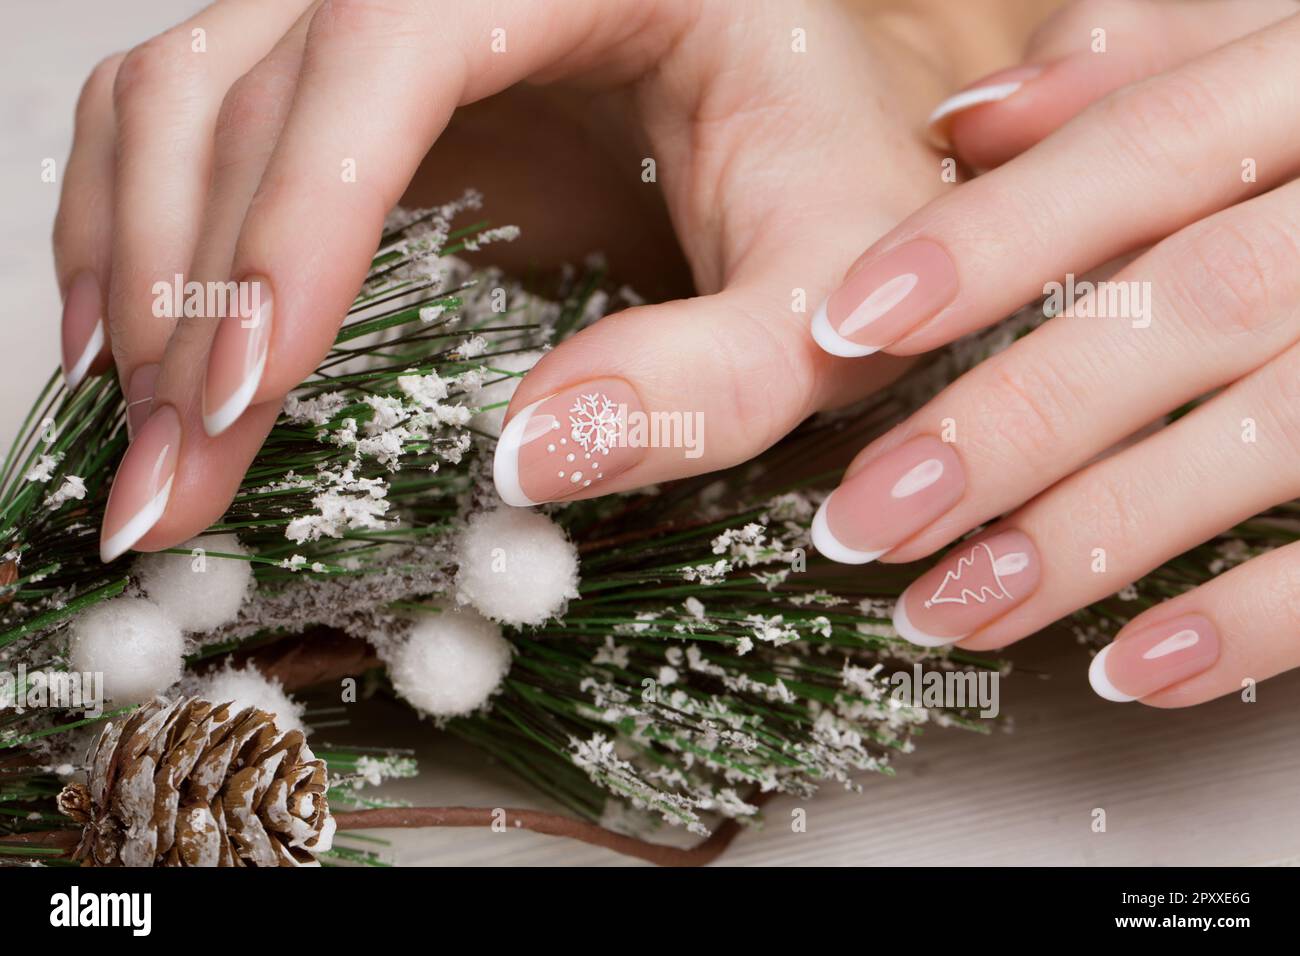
[
  {"x": 450, "y": 664},
  {"x": 249, "y": 687},
  {"x": 199, "y": 591},
  {"x": 133, "y": 643},
  {"x": 43, "y": 470},
  {"x": 73, "y": 488},
  {"x": 516, "y": 566}
]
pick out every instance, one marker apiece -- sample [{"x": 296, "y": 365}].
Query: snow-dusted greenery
[{"x": 698, "y": 657}]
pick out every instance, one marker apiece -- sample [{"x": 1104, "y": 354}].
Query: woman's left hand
[{"x": 1194, "y": 150}]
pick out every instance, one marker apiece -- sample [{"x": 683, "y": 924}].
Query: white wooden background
[{"x": 1219, "y": 784}]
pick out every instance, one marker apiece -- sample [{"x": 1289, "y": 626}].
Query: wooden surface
[{"x": 1219, "y": 784}]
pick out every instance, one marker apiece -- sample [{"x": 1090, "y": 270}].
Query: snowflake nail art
[
  {"x": 566, "y": 444},
  {"x": 595, "y": 423}
]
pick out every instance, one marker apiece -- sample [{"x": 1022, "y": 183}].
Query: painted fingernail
[
  {"x": 886, "y": 298},
  {"x": 991, "y": 89},
  {"x": 974, "y": 585},
  {"x": 1154, "y": 657},
  {"x": 572, "y": 441},
  {"x": 142, "y": 485},
  {"x": 139, "y": 397},
  {"x": 888, "y": 501},
  {"x": 238, "y": 357},
  {"x": 83, "y": 328}
]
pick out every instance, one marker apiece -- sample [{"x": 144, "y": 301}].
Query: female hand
[
  {"x": 1194, "y": 151},
  {"x": 784, "y": 136}
]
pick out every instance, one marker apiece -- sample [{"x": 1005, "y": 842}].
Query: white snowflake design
[{"x": 594, "y": 423}]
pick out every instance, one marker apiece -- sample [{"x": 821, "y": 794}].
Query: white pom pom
[
  {"x": 516, "y": 566},
  {"x": 199, "y": 592},
  {"x": 450, "y": 664},
  {"x": 499, "y": 393},
  {"x": 136, "y": 646},
  {"x": 251, "y": 688}
]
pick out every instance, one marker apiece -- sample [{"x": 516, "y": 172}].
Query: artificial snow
[
  {"x": 516, "y": 566},
  {"x": 450, "y": 664},
  {"x": 503, "y": 374},
  {"x": 133, "y": 643},
  {"x": 249, "y": 687},
  {"x": 199, "y": 591}
]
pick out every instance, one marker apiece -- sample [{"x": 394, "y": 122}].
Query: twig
[{"x": 552, "y": 824}]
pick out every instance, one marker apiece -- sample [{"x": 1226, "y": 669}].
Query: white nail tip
[
  {"x": 834, "y": 343},
  {"x": 1101, "y": 682},
  {"x": 78, "y": 371},
  {"x": 215, "y": 423},
  {"x": 135, "y": 529},
  {"x": 505, "y": 463},
  {"x": 906, "y": 629},
  {"x": 968, "y": 98},
  {"x": 827, "y": 544}
]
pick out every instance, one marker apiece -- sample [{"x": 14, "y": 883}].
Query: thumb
[
  {"x": 1082, "y": 53},
  {"x": 682, "y": 388}
]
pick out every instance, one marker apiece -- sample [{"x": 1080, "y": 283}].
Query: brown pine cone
[{"x": 189, "y": 783}]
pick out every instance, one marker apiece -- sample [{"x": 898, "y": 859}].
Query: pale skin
[{"x": 777, "y": 170}]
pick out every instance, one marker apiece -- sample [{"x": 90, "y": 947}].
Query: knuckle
[
  {"x": 1279, "y": 393},
  {"x": 1234, "y": 277},
  {"x": 776, "y": 354},
  {"x": 1109, "y": 510},
  {"x": 248, "y": 105},
  {"x": 1074, "y": 22},
  {"x": 98, "y": 88},
  {"x": 1157, "y": 122},
  {"x": 348, "y": 18},
  {"x": 1024, "y": 407},
  {"x": 155, "y": 67}
]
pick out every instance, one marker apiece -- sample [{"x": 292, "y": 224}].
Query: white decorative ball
[
  {"x": 450, "y": 664},
  {"x": 516, "y": 566},
  {"x": 499, "y": 393},
  {"x": 201, "y": 592},
  {"x": 134, "y": 644},
  {"x": 249, "y": 687}
]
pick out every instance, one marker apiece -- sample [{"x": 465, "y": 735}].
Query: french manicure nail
[
  {"x": 82, "y": 328},
  {"x": 888, "y": 501},
  {"x": 991, "y": 89},
  {"x": 886, "y": 298},
  {"x": 139, "y": 397},
  {"x": 972, "y": 586},
  {"x": 572, "y": 441},
  {"x": 1154, "y": 657},
  {"x": 238, "y": 358},
  {"x": 143, "y": 484}
]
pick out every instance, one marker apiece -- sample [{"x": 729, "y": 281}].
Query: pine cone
[{"x": 189, "y": 783}]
